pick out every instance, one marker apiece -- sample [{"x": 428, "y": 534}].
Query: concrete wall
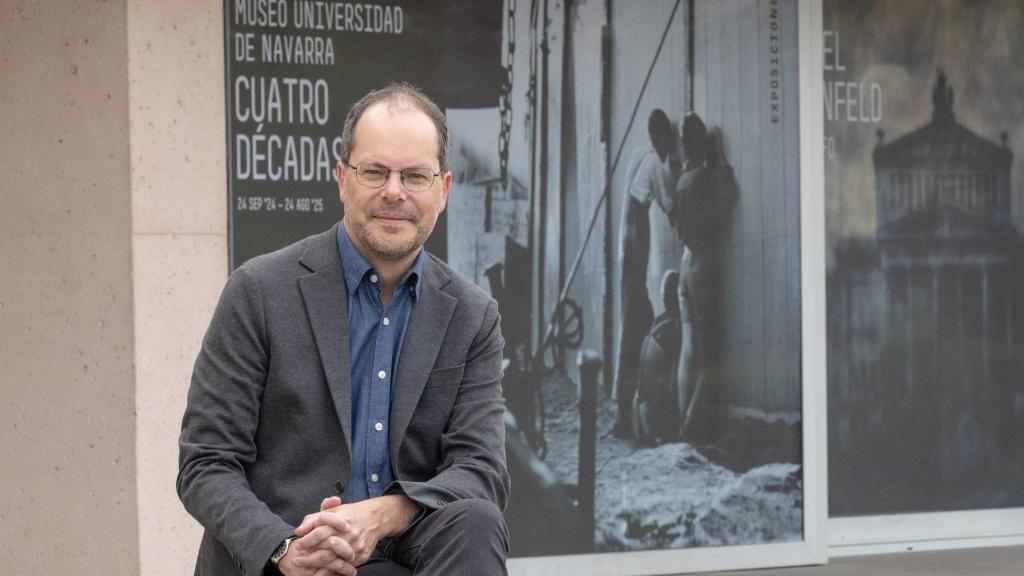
[{"x": 67, "y": 423}]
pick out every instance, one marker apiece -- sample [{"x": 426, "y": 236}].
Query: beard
[{"x": 385, "y": 244}]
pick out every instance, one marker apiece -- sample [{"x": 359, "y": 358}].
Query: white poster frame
[{"x": 890, "y": 533}]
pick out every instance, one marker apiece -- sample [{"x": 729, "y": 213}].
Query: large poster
[
  {"x": 924, "y": 122},
  {"x": 627, "y": 187},
  {"x": 633, "y": 205}
]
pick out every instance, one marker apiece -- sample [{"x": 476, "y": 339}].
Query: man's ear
[
  {"x": 341, "y": 168},
  {"x": 446, "y": 185}
]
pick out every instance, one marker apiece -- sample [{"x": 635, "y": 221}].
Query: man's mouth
[{"x": 389, "y": 218}]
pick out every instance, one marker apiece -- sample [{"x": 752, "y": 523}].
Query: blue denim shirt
[{"x": 375, "y": 340}]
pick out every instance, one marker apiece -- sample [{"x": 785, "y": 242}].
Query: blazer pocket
[{"x": 445, "y": 377}]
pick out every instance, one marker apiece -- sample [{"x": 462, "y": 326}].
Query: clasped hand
[
  {"x": 333, "y": 541},
  {"x": 341, "y": 537}
]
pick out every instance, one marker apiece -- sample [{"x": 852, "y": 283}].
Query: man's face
[
  {"x": 664, "y": 143},
  {"x": 391, "y": 223}
]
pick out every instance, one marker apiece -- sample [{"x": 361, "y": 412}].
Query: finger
[
  {"x": 312, "y": 541},
  {"x": 339, "y": 547},
  {"x": 362, "y": 558},
  {"x": 307, "y": 524},
  {"x": 342, "y": 570},
  {"x": 316, "y": 559},
  {"x": 335, "y": 521},
  {"x": 342, "y": 567},
  {"x": 330, "y": 502}
]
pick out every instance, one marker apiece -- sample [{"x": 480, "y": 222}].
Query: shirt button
[
  {"x": 374, "y": 477},
  {"x": 381, "y": 375},
  {"x": 386, "y": 321},
  {"x": 378, "y": 426},
  {"x": 373, "y": 278}
]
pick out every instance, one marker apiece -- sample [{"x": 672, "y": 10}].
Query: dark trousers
[{"x": 464, "y": 538}]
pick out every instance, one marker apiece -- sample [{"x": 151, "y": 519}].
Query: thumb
[
  {"x": 312, "y": 520},
  {"x": 307, "y": 525},
  {"x": 330, "y": 502}
]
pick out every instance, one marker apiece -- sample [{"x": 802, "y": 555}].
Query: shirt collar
[{"x": 355, "y": 267}]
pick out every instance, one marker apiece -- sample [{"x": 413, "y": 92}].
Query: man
[
  {"x": 651, "y": 176},
  {"x": 345, "y": 409},
  {"x": 704, "y": 199}
]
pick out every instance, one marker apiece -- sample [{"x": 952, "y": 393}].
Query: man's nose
[{"x": 393, "y": 188}]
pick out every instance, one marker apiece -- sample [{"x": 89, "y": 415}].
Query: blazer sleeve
[
  {"x": 473, "y": 444},
  {"x": 217, "y": 442}
]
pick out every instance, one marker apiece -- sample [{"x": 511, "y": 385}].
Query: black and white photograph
[
  {"x": 632, "y": 202},
  {"x": 923, "y": 128}
]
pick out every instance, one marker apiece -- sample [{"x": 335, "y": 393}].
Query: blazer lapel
[
  {"x": 323, "y": 292},
  {"x": 424, "y": 334}
]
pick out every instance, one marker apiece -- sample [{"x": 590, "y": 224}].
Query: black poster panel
[{"x": 294, "y": 68}]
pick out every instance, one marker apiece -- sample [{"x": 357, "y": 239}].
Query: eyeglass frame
[{"x": 401, "y": 177}]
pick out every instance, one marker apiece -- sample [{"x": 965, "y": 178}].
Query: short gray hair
[{"x": 398, "y": 95}]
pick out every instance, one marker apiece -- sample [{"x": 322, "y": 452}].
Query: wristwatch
[{"x": 281, "y": 551}]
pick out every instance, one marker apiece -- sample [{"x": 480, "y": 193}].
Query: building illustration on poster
[
  {"x": 924, "y": 305},
  {"x": 627, "y": 187}
]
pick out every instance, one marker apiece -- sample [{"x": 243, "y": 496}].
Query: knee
[
  {"x": 463, "y": 537},
  {"x": 477, "y": 515}
]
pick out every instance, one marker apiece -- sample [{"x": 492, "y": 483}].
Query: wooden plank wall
[
  {"x": 589, "y": 178},
  {"x": 734, "y": 46}
]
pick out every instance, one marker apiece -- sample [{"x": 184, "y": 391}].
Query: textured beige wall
[
  {"x": 179, "y": 244},
  {"x": 112, "y": 227},
  {"x": 67, "y": 426}
]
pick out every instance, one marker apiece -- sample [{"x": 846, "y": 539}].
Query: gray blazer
[{"x": 265, "y": 436}]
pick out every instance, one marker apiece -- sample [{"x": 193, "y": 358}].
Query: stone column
[
  {"x": 67, "y": 419},
  {"x": 179, "y": 244}
]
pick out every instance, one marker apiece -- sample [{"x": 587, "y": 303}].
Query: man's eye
[
  {"x": 415, "y": 178},
  {"x": 373, "y": 171}
]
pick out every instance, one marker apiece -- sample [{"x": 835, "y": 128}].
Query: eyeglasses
[{"x": 376, "y": 176}]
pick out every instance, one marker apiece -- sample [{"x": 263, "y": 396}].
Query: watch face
[{"x": 281, "y": 550}]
